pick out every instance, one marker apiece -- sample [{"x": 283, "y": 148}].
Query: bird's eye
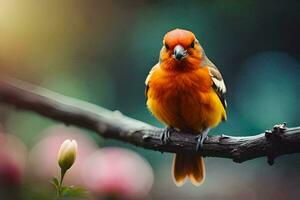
[
  {"x": 167, "y": 46},
  {"x": 193, "y": 44}
]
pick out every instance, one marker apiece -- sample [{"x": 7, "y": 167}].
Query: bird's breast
[{"x": 184, "y": 100}]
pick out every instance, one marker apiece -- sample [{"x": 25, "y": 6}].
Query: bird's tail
[{"x": 191, "y": 166}]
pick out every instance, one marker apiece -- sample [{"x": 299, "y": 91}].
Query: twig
[{"x": 112, "y": 124}]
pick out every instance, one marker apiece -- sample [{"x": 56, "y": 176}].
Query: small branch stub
[{"x": 275, "y": 137}]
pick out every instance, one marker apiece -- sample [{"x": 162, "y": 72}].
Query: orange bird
[{"x": 186, "y": 91}]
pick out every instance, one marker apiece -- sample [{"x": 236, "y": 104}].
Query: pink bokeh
[
  {"x": 13, "y": 155},
  {"x": 117, "y": 172}
]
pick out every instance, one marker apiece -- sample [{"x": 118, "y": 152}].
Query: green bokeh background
[{"x": 101, "y": 52}]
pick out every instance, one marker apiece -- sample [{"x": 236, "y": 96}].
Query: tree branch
[{"x": 112, "y": 124}]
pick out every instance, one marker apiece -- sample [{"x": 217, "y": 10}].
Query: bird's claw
[
  {"x": 165, "y": 136},
  {"x": 200, "y": 139}
]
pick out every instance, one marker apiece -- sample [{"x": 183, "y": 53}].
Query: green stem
[{"x": 62, "y": 175}]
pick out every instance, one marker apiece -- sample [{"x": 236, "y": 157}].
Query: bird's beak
[{"x": 179, "y": 52}]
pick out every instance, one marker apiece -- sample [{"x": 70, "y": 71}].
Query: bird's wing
[
  {"x": 148, "y": 78},
  {"x": 218, "y": 82}
]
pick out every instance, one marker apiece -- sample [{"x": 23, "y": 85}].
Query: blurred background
[{"x": 101, "y": 52}]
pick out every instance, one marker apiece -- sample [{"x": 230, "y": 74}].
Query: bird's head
[{"x": 181, "y": 50}]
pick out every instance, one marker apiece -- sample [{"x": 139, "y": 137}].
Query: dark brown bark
[{"x": 112, "y": 124}]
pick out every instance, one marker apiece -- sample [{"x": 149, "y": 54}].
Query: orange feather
[{"x": 181, "y": 95}]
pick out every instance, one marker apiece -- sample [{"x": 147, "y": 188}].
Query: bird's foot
[
  {"x": 200, "y": 139},
  {"x": 165, "y": 136}
]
